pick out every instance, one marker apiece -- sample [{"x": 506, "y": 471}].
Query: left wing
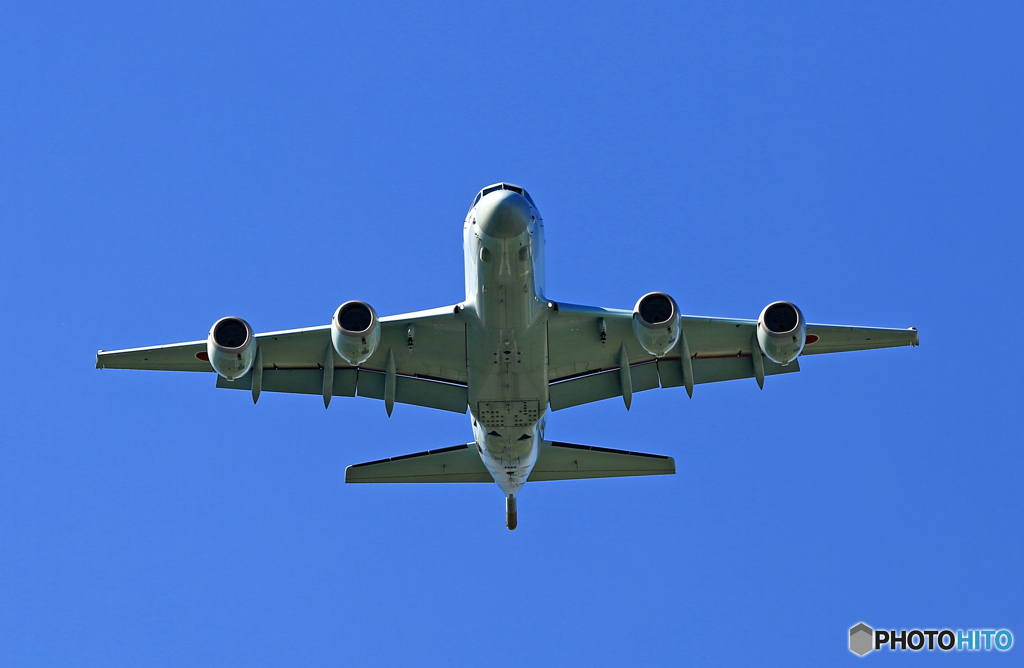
[
  {"x": 584, "y": 361},
  {"x": 431, "y": 371}
]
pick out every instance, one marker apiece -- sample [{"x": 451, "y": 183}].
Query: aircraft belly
[
  {"x": 509, "y": 462},
  {"x": 507, "y": 367}
]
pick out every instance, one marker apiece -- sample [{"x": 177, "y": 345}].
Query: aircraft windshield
[{"x": 502, "y": 186}]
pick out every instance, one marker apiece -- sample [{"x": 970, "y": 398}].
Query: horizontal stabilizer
[
  {"x": 460, "y": 463},
  {"x": 568, "y": 461},
  {"x": 555, "y": 461}
]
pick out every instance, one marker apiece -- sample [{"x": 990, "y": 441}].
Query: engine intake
[
  {"x": 231, "y": 347},
  {"x": 656, "y": 323},
  {"x": 781, "y": 332},
  {"x": 355, "y": 332}
]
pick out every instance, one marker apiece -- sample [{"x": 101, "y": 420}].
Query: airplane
[{"x": 508, "y": 354}]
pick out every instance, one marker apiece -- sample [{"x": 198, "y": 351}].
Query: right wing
[
  {"x": 585, "y": 367},
  {"x": 431, "y": 372}
]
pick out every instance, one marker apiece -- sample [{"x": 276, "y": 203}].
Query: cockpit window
[
  {"x": 521, "y": 191},
  {"x": 503, "y": 186}
]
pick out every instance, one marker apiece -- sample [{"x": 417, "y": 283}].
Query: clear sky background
[{"x": 161, "y": 167}]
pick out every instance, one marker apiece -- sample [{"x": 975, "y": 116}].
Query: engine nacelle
[
  {"x": 231, "y": 347},
  {"x": 656, "y": 323},
  {"x": 781, "y": 332},
  {"x": 355, "y": 331}
]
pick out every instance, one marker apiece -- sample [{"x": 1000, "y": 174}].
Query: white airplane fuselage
[{"x": 506, "y": 334}]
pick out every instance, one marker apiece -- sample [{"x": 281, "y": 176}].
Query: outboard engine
[
  {"x": 656, "y": 323},
  {"x": 781, "y": 332},
  {"x": 231, "y": 347},
  {"x": 355, "y": 332}
]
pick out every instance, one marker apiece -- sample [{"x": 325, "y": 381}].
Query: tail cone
[{"x": 510, "y": 513}]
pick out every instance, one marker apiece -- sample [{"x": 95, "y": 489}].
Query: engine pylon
[{"x": 511, "y": 520}]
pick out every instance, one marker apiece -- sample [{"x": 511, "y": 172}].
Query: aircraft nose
[{"x": 503, "y": 214}]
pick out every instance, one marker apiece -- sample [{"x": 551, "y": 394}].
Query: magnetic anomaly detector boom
[{"x": 508, "y": 354}]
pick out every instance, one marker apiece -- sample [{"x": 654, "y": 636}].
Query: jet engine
[
  {"x": 656, "y": 323},
  {"x": 781, "y": 332},
  {"x": 231, "y": 347},
  {"x": 355, "y": 331}
]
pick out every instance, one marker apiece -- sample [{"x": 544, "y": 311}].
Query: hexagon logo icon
[{"x": 861, "y": 637}]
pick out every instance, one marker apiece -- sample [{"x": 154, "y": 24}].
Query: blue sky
[{"x": 163, "y": 166}]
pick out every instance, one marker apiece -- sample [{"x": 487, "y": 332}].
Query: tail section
[{"x": 555, "y": 461}]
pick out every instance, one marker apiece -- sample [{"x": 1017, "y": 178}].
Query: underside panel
[
  {"x": 415, "y": 391},
  {"x": 598, "y": 386},
  {"x": 717, "y": 369},
  {"x": 575, "y": 345},
  {"x": 296, "y": 381},
  {"x": 412, "y": 391}
]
